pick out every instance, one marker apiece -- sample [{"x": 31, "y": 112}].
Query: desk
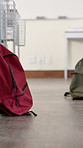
[{"x": 71, "y": 35}]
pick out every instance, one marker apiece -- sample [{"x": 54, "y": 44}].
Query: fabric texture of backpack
[
  {"x": 15, "y": 96},
  {"x": 76, "y": 86}
]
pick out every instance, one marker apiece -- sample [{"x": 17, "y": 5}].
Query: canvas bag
[
  {"x": 15, "y": 96},
  {"x": 76, "y": 86}
]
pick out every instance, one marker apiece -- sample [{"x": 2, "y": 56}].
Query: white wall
[
  {"x": 49, "y": 8},
  {"x": 45, "y": 45}
]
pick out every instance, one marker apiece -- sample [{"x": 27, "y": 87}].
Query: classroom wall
[
  {"x": 50, "y": 8},
  {"x": 45, "y": 44}
]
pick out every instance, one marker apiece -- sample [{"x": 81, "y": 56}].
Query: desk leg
[
  {"x": 65, "y": 74},
  {"x": 66, "y": 58}
]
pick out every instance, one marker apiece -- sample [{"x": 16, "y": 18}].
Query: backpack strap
[
  {"x": 30, "y": 113},
  {"x": 13, "y": 80},
  {"x": 12, "y": 54},
  {"x": 24, "y": 86},
  {"x": 66, "y": 94},
  {"x": 74, "y": 73}
]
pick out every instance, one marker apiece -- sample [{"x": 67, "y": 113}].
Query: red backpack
[{"x": 15, "y": 96}]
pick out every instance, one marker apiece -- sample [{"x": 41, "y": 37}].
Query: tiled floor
[{"x": 59, "y": 123}]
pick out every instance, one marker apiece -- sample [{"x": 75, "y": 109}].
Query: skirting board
[{"x": 47, "y": 74}]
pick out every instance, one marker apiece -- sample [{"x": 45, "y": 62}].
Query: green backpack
[{"x": 76, "y": 86}]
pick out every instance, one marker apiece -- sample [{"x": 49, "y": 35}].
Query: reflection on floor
[{"x": 59, "y": 123}]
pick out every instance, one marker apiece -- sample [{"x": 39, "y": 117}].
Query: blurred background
[{"x": 46, "y": 35}]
